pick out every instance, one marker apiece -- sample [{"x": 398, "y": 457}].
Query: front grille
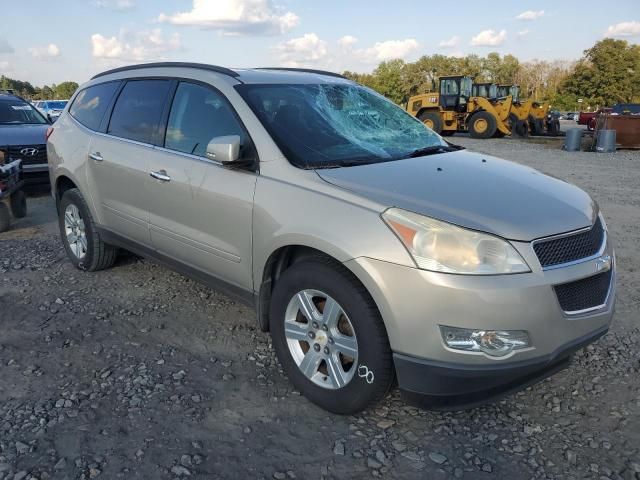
[
  {"x": 582, "y": 294},
  {"x": 14, "y": 152},
  {"x": 570, "y": 248}
]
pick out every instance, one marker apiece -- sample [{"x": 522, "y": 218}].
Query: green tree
[
  {"x": 608, "y": 73},
  {"x": 64, "y": 90},
  {"x": 388, "y": 80}
]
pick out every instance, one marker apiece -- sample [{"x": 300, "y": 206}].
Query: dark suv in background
[{"x": 23, "y": 135}]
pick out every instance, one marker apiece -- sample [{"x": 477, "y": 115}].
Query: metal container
[
  {"x": 573, "y": 140},
  {"x": 606, "y": 141},
  {"x": 627, "y": 129}
]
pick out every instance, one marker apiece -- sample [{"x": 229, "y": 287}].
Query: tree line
[
  {"x": 61, "y": 91},
  {"x": 608, "y": 73}
]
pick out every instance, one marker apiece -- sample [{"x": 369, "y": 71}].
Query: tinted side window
[
  {"x": 137, "y": 111},
  {"x": 198, "y": 114},
  {"x": 91, "y": 103}
]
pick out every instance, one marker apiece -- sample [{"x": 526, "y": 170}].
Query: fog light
[{"x": 496, "y": 343}]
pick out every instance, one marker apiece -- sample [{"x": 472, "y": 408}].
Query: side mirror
[{"x": 224, "y": 149}]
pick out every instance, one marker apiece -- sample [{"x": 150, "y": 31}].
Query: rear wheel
[
  {"x": 5, "y": 217},
  {"x": 519, "y": 127},
  {"x": 329, "y": 336},
  {"x": 19, "y": 204},
  {"x": 432, "y": 120},
  {"x": 80, "y": 237},
  {"x": 553, "y": 127},
  {"x": 482, "y": 125}
]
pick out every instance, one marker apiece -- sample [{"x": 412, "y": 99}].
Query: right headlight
[{"x": 442, "y": 247}]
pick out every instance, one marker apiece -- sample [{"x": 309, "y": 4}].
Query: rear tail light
[{"x": 49, "y": 132}]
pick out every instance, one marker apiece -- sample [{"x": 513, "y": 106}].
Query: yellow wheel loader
[
  {"x": 455, "y": 109},
  {"x": 519, "y": 113},
  {"x": 529, "y": 116}
]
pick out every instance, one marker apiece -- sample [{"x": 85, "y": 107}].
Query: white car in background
[{"x": 51, "y": 109}]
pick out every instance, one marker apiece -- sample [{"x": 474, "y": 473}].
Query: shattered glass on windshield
[{"x": 333, "y": 125}]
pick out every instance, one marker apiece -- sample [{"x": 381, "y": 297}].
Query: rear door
[
  {"x": 118, "y": 162},
  {"x": 201, "y": 211}
]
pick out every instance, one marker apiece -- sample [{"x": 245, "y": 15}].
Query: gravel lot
[{"x": 137, "y": 372}]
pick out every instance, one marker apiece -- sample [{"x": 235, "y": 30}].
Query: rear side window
[
  {"x": 91, "y": 103},
  {"x": 137, "y": 111},
  {"x": 199, "y": 114}
]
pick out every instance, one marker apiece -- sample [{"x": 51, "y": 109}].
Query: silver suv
[{"x": 370, "y": 247}]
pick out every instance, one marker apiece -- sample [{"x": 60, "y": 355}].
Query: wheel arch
[{"x": 278, "y": 262}]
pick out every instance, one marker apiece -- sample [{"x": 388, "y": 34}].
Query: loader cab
[
  {"x": 505, "y": 90},
  {"x": 455, "y": 92},
  {"x": 485, "y": 90}
]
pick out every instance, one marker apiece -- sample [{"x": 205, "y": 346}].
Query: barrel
[
  {"x": 606, "y": 141},
  {"x": 573, "y": 140}
]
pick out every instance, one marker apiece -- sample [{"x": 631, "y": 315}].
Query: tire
[
  {"x": 536, "y": 126},
  {"x": 482, "y": 125},
  {"x": 447, "y": 133},
  {"x": 498, "y": 134},
  {"x": 96, "y": 254},
  {"x": 432, "y": 119},
  {"x": 371, "y": 373},
  {"x": 5, "y": 217},
  {"x": 553, "y": 128},
  {"x": 518, "y": 127},
  {"x": 18, "y": 204}
]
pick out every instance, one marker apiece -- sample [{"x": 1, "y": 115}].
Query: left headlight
[{"x": 442, "y": 247}]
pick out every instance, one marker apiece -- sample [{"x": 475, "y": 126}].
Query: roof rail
[
  {"x": 304, "y": 70},
  {"x": 200, "y": 66}
]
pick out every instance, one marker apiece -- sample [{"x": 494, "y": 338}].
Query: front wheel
[
  {"x": 19, "y": 204},
  {"x": 431, "y": 119},
  {"x": 329, "y": 336},
  {"x": 482, "y": 125}
]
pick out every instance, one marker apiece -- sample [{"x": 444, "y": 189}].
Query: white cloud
[
  {"x": 530, "y": 15},
  {"x": 5, "y": 47},
  {"x": 489, "y": 38},
  {"x": 235, "y": 17},
  {"x": 523, "y": 33},
  {"x": 623, "y": 29},
  {"x": 388, "y": 50},
  {"x": 47, "y": 51},
  {"x": 347, "y": 41},
  {"x": 302, "y": 51},
  {"x": 137, "y": 46},
  {"x": 115, "y": 4},
  {"x": 451, "y": 43},
  {"x": 4, "y": 65}
]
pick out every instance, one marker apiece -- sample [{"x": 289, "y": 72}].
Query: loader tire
[
  {"x": 432, "y": 120},
  {"x": 482, "y": 125}
]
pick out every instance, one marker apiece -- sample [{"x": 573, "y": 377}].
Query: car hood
[
  {"x": 473, "y": 190},
  {"x": 23, "y": 134}
]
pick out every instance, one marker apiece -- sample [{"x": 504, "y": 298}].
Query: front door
[{"x": 200, "y": 212}]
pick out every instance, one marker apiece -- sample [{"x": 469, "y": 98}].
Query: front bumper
[
  {"x": 443, "y": 386},
  {"x": 414, "y": 303}
]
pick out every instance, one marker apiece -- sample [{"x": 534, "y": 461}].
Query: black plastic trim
[
  {"x": 446, "y": 385},
  {"x": 199, "y": 66},
  {"x": 246, "y": 297}
]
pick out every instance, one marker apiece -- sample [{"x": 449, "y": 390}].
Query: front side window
[
  {"x": 136, "y": 114},
  {"x": 450, "y": 87},
  {"x": 91, "y": 103},
  {"x": 334, "y": 125},
  {"x": 14, "y": 111},
  {"x": 198, "y": 114}
]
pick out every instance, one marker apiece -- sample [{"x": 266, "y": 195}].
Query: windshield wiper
[{"x": 432, "y": 150}]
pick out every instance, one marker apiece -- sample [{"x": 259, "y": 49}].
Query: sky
[{"x": 47, "y": 42}]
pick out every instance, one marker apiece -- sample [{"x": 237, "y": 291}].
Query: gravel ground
[{"x": 137, "y": 372}]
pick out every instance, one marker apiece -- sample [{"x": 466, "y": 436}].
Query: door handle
[
  {"x": 96, "y": 156},
  {"x": 161, "y": 175}
]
